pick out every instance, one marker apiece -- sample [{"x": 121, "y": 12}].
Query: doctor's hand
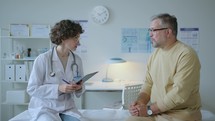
[{"x": 68, "y": 88}]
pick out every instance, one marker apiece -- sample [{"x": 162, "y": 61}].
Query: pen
[{"x": 65, "y": 81}]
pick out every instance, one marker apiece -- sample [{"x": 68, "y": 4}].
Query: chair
[{"x": 129, "y": 94}]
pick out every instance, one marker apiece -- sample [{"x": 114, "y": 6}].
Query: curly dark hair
[{"x": 63, "y": 30}]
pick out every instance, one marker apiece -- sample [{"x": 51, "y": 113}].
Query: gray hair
[{"x": 168, "y": 20}]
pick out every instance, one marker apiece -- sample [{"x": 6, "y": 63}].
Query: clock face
[{"x": 100, "y": 14}]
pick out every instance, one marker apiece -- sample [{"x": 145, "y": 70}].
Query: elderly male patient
[{"x": 172, "y": 77}]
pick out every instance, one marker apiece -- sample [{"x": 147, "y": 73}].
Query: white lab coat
[{"x": 43, "y": 89}]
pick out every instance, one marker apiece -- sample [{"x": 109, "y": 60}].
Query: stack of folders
[{"x": 18, "y": 72}]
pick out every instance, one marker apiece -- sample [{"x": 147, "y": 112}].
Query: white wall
[{"x": 104, "y": 40}]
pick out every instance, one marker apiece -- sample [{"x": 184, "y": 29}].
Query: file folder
[
  {"x": 20, "y": 72},
  {"x": 10, "y": 72}
]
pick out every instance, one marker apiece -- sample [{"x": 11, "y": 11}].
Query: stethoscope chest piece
[{"x": 52, "y": 74}]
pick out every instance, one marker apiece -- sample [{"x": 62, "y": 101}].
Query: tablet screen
[{"x": 86, "y": 77}]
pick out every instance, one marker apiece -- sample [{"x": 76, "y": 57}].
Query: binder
[
  {"x": 20, "y": 72},
  {"x": 10, "y": 72}
]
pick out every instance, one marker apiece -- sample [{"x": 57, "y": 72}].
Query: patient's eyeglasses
[{"x": 154, "y": 30}]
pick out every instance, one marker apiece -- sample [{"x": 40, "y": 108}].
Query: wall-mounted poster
[
  {"x": 190, "y": 36},
  {"x": 135, "y": 40}
]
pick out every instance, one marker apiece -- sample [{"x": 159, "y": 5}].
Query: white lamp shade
[{"x": 115, "y": 60}]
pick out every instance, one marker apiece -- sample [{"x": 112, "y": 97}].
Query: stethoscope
[{"x": 74, "y": 65}]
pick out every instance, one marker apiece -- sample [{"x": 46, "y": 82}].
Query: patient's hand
[
  {"x": 138, "y": 109},
  {"x": 133, "y": 109}
]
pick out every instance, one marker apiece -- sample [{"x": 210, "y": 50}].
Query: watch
[
  {"x": 100, "y": 14},
  {"x": 149, "y": 111}
]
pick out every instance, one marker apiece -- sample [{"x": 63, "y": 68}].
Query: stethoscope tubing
[{"x": 52, "y": 73}]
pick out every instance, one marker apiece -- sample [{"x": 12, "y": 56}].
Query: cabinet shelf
[
  {"x": 6, "y": 103},
  {"x": 14, "y": 53},
  {"x": 20, "y": 37},
  {"x": 21, "y": 59},
  {"x": 6, "y": 81}
]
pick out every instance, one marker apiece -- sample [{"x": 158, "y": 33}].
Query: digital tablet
[{"x": 85, "y": 78}]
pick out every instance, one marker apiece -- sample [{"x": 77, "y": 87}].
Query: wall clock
[{"x": 100, "y": 14}]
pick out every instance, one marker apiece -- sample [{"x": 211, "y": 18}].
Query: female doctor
[{"x": 51, "y": 84}]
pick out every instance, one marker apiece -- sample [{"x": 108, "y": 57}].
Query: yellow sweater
[{"x": 172, "y": 80}]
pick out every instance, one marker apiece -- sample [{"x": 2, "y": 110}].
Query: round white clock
[{"x": 100, "y": 14}]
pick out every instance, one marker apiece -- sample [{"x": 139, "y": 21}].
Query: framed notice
[
  {"x": 38, "y": 30},
  {"x": 21, "y": 30}
]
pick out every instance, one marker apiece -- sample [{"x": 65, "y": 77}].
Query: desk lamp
[{"x": 112, "y": 61}]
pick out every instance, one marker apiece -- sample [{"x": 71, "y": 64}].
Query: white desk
[
  {"x": 108, "y": 86},
  {"x": 101, "y": 94}
]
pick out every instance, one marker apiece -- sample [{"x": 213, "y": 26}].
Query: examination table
[{"x": 107, "y": 115}]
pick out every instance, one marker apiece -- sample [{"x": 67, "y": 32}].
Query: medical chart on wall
[
  {"x": 135, "y": 40},
  {"x": 83, "y": 37},
  {"x": 84, "y": 25},
  {"x": 190, "y": 36}
]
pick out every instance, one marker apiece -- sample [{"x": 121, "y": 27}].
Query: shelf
[
  {"x": 20, "y": 37},
  {"x": 7, "y": 81},
  {"x": 21, "y": 59},
  {"x": 5, "y": 103}
]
